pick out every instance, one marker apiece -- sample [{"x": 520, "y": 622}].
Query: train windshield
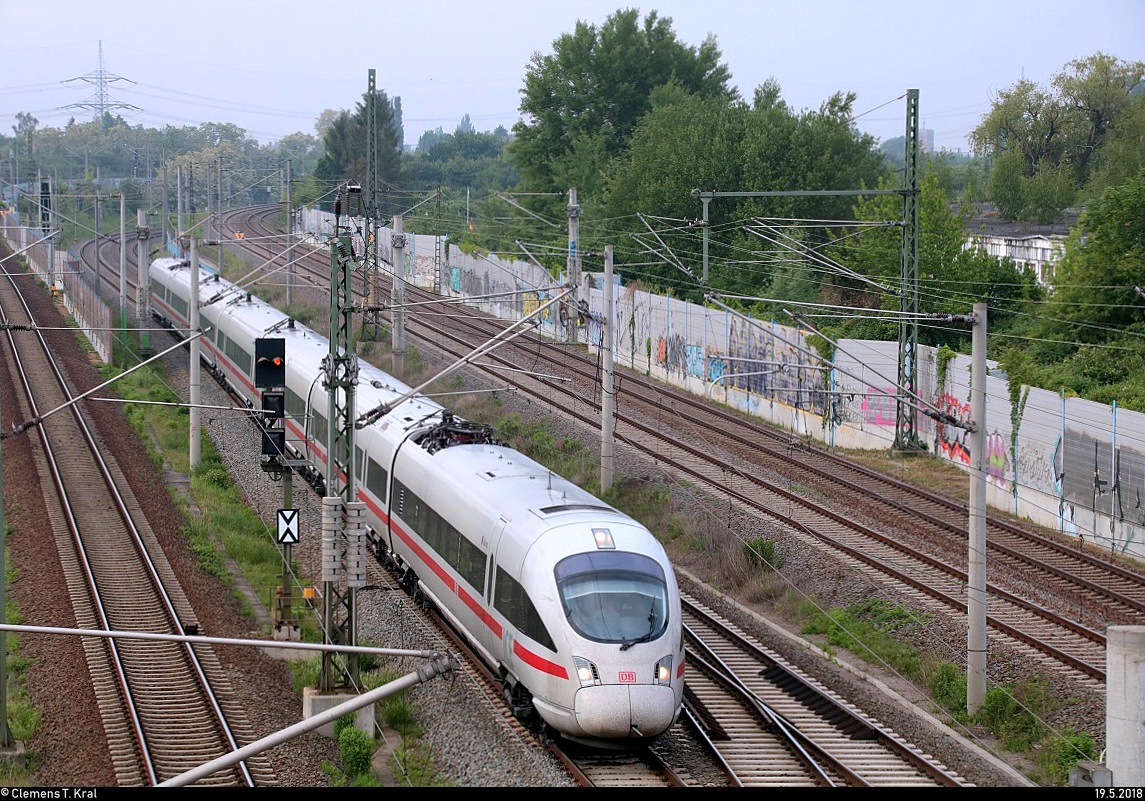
[{"x": 614, "y": 597}]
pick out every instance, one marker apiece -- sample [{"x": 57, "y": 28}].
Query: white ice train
[{"x": 571, "y": 601}]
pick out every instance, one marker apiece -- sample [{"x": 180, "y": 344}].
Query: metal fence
[{"x": 91, "y": 314}]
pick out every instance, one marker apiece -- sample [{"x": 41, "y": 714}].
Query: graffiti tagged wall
[{"x": 1062, "y": 462}]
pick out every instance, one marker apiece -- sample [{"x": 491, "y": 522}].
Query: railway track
[
  {"x": 1077, "y": 590},
  {"x": 887, "y": 529},
  {"x": 771, "y": 725},
  {"x": 164, "y": 706}
]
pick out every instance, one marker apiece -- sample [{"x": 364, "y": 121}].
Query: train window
[
  {"x": 511, "y": 600},
  {"x": 318, "y": 430},
  {"x": 238, "y": 356},
  {"x": 434, "y": 533},
  {"x": 295, "y": 407},
  {"x": 614, "y": 597},
  {"x": 471, "y": 563},
  {"x": 458, "y": 552},
  {"x": 376, "y": 479},
  {"x": 420, "y": 514},
  {"x": 242, "y": 360},
  {"x": 415, "y": 514}
]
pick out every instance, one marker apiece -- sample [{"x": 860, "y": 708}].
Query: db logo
[{"x": 626, "y": 677}]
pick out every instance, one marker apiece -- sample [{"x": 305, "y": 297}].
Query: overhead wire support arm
[
  {"x": 795, "y": 246},
  {"x": 499, "y": 339},
  {"x": 512, "y": 202},
  {"x": 22, "y": 427},
  {"x": 532, "y": 258},
  {"x": 665, "y": 253}
]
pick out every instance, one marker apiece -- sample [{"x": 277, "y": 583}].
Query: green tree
[
  {"x": 460, "y": 161},
  {"x": 1122, "y": 155},
  {"x": 1097, "y": 89},
  {"x": 1090, "y": 337},
  {"x": 687, "y": 142},
  {"x": 584, "y": 100},
  {"x": 1093, "y": 283},
  {"x": 1045, "y": 142},
  {"x": 1027, "y": 130},
  {"x": 345, "y": 143},
  {"x": 25, "y": 150}
]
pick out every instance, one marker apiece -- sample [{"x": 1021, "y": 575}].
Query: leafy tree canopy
[
  {"x": 1044, "y": 142},
  {"x": 584, "y": 100},
  {"x": 687, "y": 142},
  {"x": 346, "y": 144}
]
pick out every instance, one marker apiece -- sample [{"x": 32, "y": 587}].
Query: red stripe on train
[{"x": 539, "y": 662}]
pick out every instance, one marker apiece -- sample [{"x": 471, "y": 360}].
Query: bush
[
  {"x": 1011, "y": 719},
  {"x": 762, "y": 554},
  {"x": 399, "y": 715},
  {"x": 948, "y": 688},
  {"x": 1061, "y": 753},
  {"x": 356, "y": 749}
]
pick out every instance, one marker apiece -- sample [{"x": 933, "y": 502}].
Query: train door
[{"x": 492, "y": 634}]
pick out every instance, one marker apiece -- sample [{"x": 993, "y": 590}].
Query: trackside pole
[{"x": 976, "y": 566}]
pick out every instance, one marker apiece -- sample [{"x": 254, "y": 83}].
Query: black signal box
[
  {"x": 274, "y": 404},
  {"x": 273, "y": 424},
  {"x": 273, "y": 442},
  {"x": 269, "y": 362}
]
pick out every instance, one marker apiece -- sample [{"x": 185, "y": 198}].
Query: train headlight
[
  {"x": 664, "y": 671},
  {"x": 586, "y": 672}
]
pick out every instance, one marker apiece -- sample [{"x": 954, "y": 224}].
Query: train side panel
[{"x": 519, "y": 559}]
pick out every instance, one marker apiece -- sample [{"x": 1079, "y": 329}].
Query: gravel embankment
[{"x": 468, "y": 742}]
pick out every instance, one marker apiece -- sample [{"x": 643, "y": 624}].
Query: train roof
[{"x": 233, "y": 307}]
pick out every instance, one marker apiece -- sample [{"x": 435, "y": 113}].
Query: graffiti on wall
[
  {"x": 756, "y": 362},
  {"x": 678, "y": 356},
  {"x": 1036, "y": 470},
  {"x": 777, "y": 367},
  {"x": 879, "y": 407},
  {"x": 951, "y": 440},
  {"x": 997, "y": 459}
]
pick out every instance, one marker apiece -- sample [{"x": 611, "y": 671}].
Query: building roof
[{"x": 987, "y": 223}]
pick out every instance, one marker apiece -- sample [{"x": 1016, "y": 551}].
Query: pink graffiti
[
  {"x": 996, "y": 459},
  {"x": 880, "y": 410},
  {"x": 951, "y": 439}
]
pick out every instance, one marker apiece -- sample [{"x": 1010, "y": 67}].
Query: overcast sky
[{"x": 273, "y": 67}]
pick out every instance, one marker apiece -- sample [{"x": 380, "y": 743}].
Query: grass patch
[
  {"x": 866, "y": 630},
  {"x": 762, "y": 554},
  {"x": 415, "y": 767},
  {"x": 23, "y": 716},
  {"x": 1015, "y": 715}
]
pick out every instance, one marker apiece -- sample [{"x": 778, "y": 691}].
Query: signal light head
[{"x": 269, "y": 362}]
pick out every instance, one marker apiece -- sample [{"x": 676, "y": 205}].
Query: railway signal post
[{"x": 270, "y": 379}]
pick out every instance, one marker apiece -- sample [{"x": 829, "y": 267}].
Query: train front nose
[{"x": 625, "y": 710}]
